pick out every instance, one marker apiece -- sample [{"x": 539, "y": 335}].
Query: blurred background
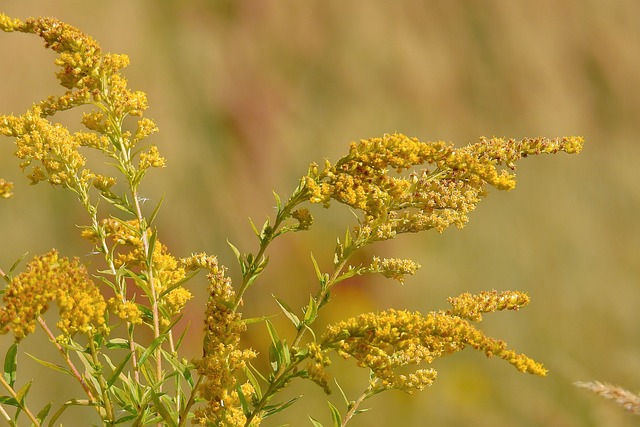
[{"x": 247, "y": 93}]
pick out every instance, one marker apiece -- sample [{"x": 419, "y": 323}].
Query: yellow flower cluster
[
  {"x": 304, "y": 218},
  {"x": 126, "y": 310},
  {"x": 387, "y": 341},
  {"x": 52, "y": 278},
  {"x": 442, "y": 193},
  {"x": 471, "y": 306},
  {"x": 393, "y": 268},
  {"x": 50, "y": 144},
  {"x": 6, "y": 189},
  {"x": 90, "y": 78},
  {"x": 167, "y": 269},
  {"x": 222, "y": 356}
]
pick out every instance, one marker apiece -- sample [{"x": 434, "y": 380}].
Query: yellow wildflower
[
  {"x": 387, "y": 341},
  {"x": 126, "y": 310},
  {"x": 151, "y": 158},
  {"x": 6, "y": 188},
  {"x": 442, "y": 193},
  {"x": 51, "y": 278},
  {"x": 222, "y": 358}
]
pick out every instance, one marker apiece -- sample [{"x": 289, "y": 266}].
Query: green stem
[
  {"x": 184, "y": 415},
  {"x": 299, "y": 196}
]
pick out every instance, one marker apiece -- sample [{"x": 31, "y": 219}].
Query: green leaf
[
  {"x": 274, "y": 409},
  {"x": 253, "y": 381},
  {"x": 15, "y": 264},
  {"x": 44, "y": 412},
  {"x": 180, "y": 368},
  {"x": 11, "y": 364},
  {"x": 315, "y": 422},
  {"x": 253, "y": 369},
  {"x": 311, "y": 311},
  {"x": 117, "y": 343},
  {"x": 67, "y": 404},
  {"x": 8, "y": 400},
  {"x": 50, "y": 365},
  {"x": 288, "y": 312},
  {"x": 266, "y": 230},
  {"x": 243, "y": 401},
  {"x": 317, "y": 268},
  {"x": 278, "y": 201},
  {"x": 162, "y": 408},
  {"x": 182, "y": 336},
  {"x": 239, "y": 257},
  {"x": 123, "y": 205},
  {"x": 335, "y": 415},
  {"x": 22, "y": 393},
  {"x": 116, "y": 373},
  {"x": 251, "y": 320},
  {"x": 155, "y": 211},
  {"x": 152, "y": 347},
  {"x": 141, "y": 281},
  {"x": 178, "y": 283},
  {"x": 253, "y": 227},
  {"x": 272, "y": 333},
  {"x": 152, "y": 246}
]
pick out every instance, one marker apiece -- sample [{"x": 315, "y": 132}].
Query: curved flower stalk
[{"x": 394, "y": 184}]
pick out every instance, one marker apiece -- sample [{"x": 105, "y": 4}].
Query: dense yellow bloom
[
  {"x": 393, "y": 268},
  {"x": 6, "y": 188},
  {"x": 90, "y": 77},
  {"x": 387, "y": 341},
  {"x": 126, "y": 310},
  {"x": 442, "y": 193},
  {"x": 51, "y": 278},
  {"x": 223, "y": 358},
  {"x": 472, "y": 306},
  {"x": 51, "y": 145}
]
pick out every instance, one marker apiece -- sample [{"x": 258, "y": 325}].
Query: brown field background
[{"x": 247, "y": 93}]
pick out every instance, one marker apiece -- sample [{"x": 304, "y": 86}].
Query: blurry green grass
[{"x": 246, "y": 94}]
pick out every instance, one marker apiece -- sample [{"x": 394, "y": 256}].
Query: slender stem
[
  {"x": 65, "y": 356},
  {"x": 354, "y": 407},
  {"x": 2, "y": 411},
  {"x": 184, "y": 415},
  {"x": 282, "y": 373},
  {"x": 283, "y": 214},
  {"x": 107, "y": 406},
  {"x": 154, "y": 292},
  {"x": 103, "y": 384}
]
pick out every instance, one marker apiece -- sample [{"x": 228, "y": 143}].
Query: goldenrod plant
[{"x": 117, "y": 332}]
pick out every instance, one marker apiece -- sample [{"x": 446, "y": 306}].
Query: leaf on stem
[
  {"x": 288, "y": 312},
  {"x": 11, "y": 364},
  {"x": 315, "y": 422}
]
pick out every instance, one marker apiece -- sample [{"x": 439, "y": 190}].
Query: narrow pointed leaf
[
  {"x": 311, "y": 311},
  {"x": 151, "y": 349},
  {"x": 44, "y": 412},
  {"x": 50, "y": 365},
  {"x": 116, "y": 373},
  {"x": 335, "y": 415},
  {"x": 156, "y": 210},
  {"x": 288, "y": 312},
  {"x": 11, "y": 364},
  {"x": 315, "y": 422},
  {"x": 253, "y": 381}
]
